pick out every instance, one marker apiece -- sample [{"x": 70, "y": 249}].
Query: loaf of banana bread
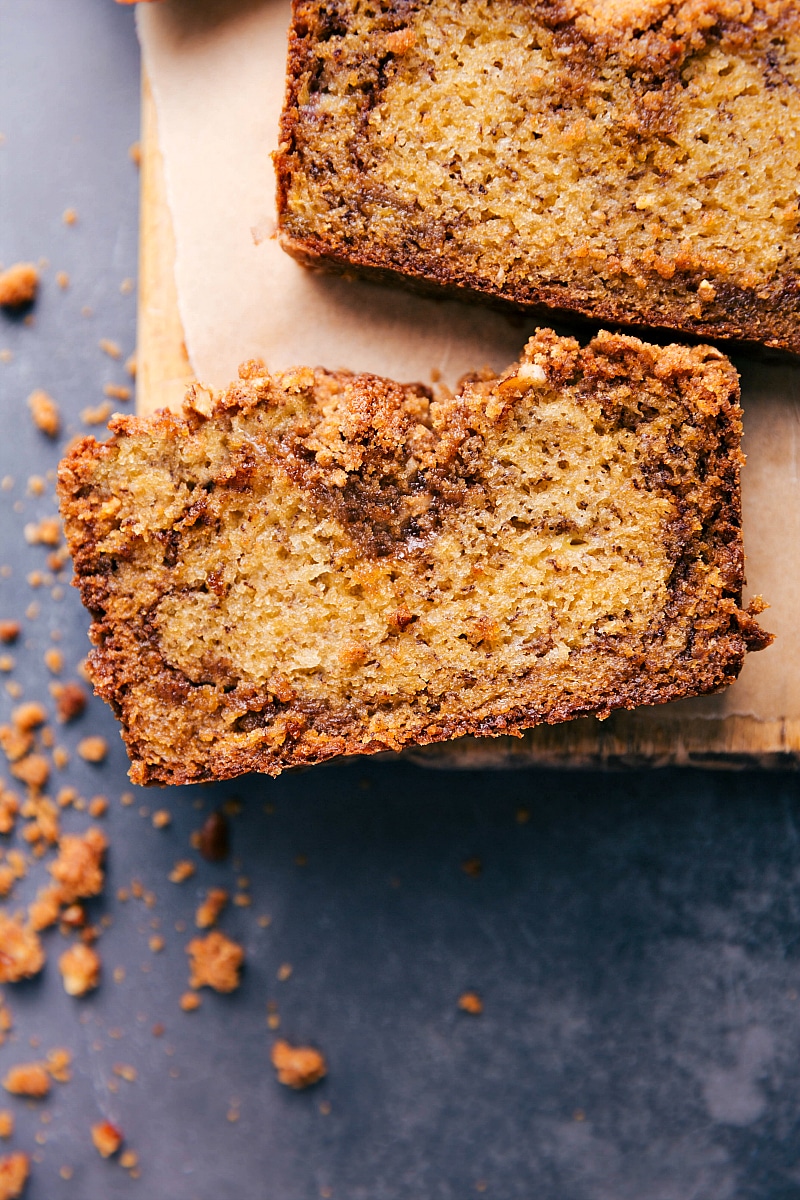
[
  {"x": 312, "y": 564},
  {"x": 632, "y": 161}
]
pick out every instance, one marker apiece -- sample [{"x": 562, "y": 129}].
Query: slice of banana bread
[
  {"x": 312, "y": 564},
  {"x": 634, "y": 161}
]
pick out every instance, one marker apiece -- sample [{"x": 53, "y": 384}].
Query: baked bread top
[{"x": 634, "y": 162}]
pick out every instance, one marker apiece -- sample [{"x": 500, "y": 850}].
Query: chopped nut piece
[
  {"x": 183, "y": 870},
  {"x": 161, "y": 819},
  {"x": 80, "y": 969},
  {"x": 107, "y": 1138},
  {"x": 213, "y": 840},
  {"x": 190, "y": 1001},
  {"x": 78, "y": 867},
  {"x": 9, "y": 631},
  {"x": 13, "y": 1176},
  {"x": 71, "y": 700},
  {"x": 298, "y": 1066},
  {"x": 214, "y": 962},
  {"x": 21, "y": 954},
  {"x": 18, "y": 285},
  {"x": 208, "y": 912},
  {"x": 45, "y": 413},
  {"x": 6, "y": 1123},
  {"x": 27, "y": 1079},
  {"x": 93, "y": 749},
  {"x": 471, "y": 1003}
]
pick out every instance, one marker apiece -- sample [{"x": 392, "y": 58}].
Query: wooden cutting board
[{"x": 662, "y": 736}]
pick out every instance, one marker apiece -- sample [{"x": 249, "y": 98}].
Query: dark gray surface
[{"x": 635, "y": 942}]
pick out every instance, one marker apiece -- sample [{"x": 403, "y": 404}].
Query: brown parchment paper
[{"x": 216, "y": 68}]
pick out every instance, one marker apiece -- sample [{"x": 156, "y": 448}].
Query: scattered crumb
[
  {"x": 13, "y": 1176},
  {"x": 112, "y": 349},
  {"x": 161, "y": 818},
  {"x": 70, "y": 216},
  {"x": 62, "y": 279},
  {"x": 214, "y": 961},
  {"x": 190, "y": 1001},
  {"x": 118, "y": 974},
  {"x": 156, "y": 943},
  {"x": 127, "y": 286},
  {"x": 21, "y": 954},
  {"x": 183, "y": 870},
  {"x": 284, "y": 972},
  {"x": 93, "y": 749},
  {"x": 9, "y": 807},
  {"x": 45, "y": 413},
  {"x": 117, "y": 391},
  {"x": 472, "y": 867},
  {"x": 97, "y": 415},
  {"x": 98, "y": 806},
  {"x": 54, "y": 660},
  {"x": 27, "y": 1079},
  {"x": 80, "y": 969},
  {"x": 213, "y": 839},
  {"x": 130, "y": 366},
  {"x": 29, "y": 715},
  {"x": 6, "y": 1123},
  {"x": 298, "y": 1066},
  {"x": 58, "y": 1064},
  {"x": 124, "y": 1071},
  {"x": 135, "y": 153},
  {"x": 79, "y": 865},
  {"x": 18, "y": 285},
  {"x": 9, "y": 631},
  {"x": 209, "y": 911},
  {"x": 470, "y": 1002},
  {"x": 46, "y": 533},
  {"x": 128, "y": 1159},
  {"x": 71, "y": 700},
  {"x": 65, "y": 1172},
  {"x": 107, "y": 1138},
  {"x": 523, "y": 815}
]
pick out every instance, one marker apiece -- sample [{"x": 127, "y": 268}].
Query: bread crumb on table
[
  {"x": 214, "y": 962},
  {"x": 79, "y": 865},
  {"x": 21, "y": 954},
  {"x": 28, "y": 1079},
  {"x": 80, "y": 969},
  {"x": 107, "y": 1138},
  {"x": 183, "y": 870},
  {"x": 71, "y": 700},
  {"x": 209, "y": 911},
  {"x": 190, "y": 1001},
  {"x": 18, "y": 285},
  {"x": 470, "y": 1002},
  {"x": 6, "y": 1123},
  {"x": 9, "y": 631},
  {"x": 213, "y": 839},
  {"x": 298, "y": 1066},
  {"x": 93, "y": 749},
  {"x": 13, "y": 1176},
  {"x": 97, "y": 415},
  {"x": 45, "y": 413}
]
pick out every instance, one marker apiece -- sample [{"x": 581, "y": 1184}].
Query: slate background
[{"x": 635, "y": 941}]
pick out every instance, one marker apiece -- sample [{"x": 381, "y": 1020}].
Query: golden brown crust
[
  {"x": 348, "y": 198},
  {"x": 170, "y": 521}
]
